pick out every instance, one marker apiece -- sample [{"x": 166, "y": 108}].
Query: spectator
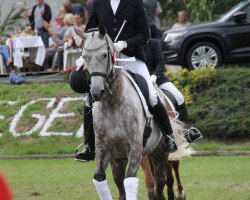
[
  {"x": 6, "y": 56},
  {"x": 69, "y": 7},
  {"x": 150, "y": 7},
  {"x": 182, "y": 20},
  {"x": 71, "y": 38},
  {"x": 57, "y": 37},
  {"x": 40, "y": 13}
]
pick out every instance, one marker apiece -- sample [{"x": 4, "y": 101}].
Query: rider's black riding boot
[
  {"x": 89, "y": 151},
  {"x": 162, "y": 119},
  {"x": 192, "y": 135}
]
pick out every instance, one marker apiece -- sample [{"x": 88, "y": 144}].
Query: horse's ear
[
  {"x": 102, "y": 30},
  {"x": 79, "y": 32}
]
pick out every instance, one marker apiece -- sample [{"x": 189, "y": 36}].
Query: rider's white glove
[
  {"x": 79, "y": 62},
  {"x": 120, "y": 45},
  {"x": 153, "y": 78}
]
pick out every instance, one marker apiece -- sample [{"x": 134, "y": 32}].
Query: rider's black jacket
[
  {"x": 135, "y": 31},
  {"x": 155, "y": 60}
]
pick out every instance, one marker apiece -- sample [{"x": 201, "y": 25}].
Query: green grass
[
  {"x": 203, "y": 178},
  {"x": 213, "y": 145}
]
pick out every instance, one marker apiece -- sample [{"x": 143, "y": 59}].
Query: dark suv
[{"x": 226, "y": 40}]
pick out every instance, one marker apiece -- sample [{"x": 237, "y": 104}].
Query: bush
[{"x": 218, "y": 100}]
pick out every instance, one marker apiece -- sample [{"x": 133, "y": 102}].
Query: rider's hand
[
  {"x": 80, "y": 62},
  {"x": 153, "y": 78},
  {"x": 120, "y": 45}
]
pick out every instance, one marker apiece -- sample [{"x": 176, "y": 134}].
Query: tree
[
  {"x": 11, "y": 21},
  {"x": 197, "y": 10}
]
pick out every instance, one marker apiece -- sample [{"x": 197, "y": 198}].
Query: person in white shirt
[{"x": 182, "y": 20}]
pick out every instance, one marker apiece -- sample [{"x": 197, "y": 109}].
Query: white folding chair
[{"x": 70, "y": 56}]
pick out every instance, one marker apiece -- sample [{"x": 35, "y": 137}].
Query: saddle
[{"x": 167, "y": 98}]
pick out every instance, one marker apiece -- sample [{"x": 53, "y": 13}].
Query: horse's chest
[{"x": 116, "y": 124}]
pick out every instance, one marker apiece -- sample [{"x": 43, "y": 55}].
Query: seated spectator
[
  {"x": 182, "y": 20},
  {"x": 57, "y": 36},
  {"x": 71, "y": 39},
  {"x": 6, "y": 56},
  {"x": 69, "y": 21},
  {"x": 69, "y": 7}
]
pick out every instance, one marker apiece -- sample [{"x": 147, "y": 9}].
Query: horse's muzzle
[{"x": 97, "y": 94}]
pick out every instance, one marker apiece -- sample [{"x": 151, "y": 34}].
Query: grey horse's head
[{"x": 97, "y": 53}]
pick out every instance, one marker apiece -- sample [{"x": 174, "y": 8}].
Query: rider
[
  {"x": 156, "y": 68},
  {"x": 130, "y": 15}
]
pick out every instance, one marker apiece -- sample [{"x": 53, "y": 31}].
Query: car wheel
[{"x": 203, "y": 54}]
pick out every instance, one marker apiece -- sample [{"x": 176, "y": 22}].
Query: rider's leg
[
  {"x": 89, "y": 151},
  {"x": 159, "y": 111},
  {"x": 182, "y": 109},
  {"x": 192, "y": 134}
]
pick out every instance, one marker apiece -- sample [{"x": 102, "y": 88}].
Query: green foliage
[
  {"x": 11, "y": 21},
  {"x": 189, "y": 82},
  {"x": 204, "y": 8},
  {"x": 218, "y": 100},
  {"x": 197, "y": 10}
]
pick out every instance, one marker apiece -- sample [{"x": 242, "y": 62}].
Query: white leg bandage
[
  {"x": 102, "y": 189},
  {"x": 131, "y": 187}
]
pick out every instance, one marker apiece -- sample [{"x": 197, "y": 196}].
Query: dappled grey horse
[{"x": 119, "y": 122}]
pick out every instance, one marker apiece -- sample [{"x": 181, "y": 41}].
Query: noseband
[{"x": 109, "y": 74}]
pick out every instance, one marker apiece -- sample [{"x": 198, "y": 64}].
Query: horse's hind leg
[
  {"x": 159, "y": 159},
  {"x": 170, "y": 180},
  {"x": 118, "y": 169},
  {"x": 180, "y": 195},
  {"x": 99, "y": 180}
]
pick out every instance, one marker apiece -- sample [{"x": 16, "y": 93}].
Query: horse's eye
[
  {"x": 86, "y": 58},
  {"x": 105, "y": 55}
]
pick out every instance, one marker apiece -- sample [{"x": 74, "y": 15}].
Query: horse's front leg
[
  {"x": 118, "y": 169},
  {"x": 131, "y": 182},
  {"x": 99, "y": 180}
]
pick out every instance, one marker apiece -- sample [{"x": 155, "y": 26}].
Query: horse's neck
[{"x": 117, "y": 89}]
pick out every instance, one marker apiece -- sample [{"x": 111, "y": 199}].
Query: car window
[
  {"x": 247, "y": 10},
  {"x": 229, "y": 13}
]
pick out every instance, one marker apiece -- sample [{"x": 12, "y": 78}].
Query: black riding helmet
[{"x": 78, "y": 81}]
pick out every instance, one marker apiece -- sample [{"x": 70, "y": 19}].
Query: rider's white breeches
[
  {"x": 139, "y": 67},
  {"x": 174, "y": 91}
]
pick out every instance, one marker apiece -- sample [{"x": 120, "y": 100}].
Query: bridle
[{"x": 109, "y": 75}]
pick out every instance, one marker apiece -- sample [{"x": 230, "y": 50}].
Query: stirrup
[
  {"x": 195, "y": 131},
  {"x": 82, "y": 144}
]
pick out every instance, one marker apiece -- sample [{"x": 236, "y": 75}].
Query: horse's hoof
[
  {"x": 171, "y": 195},
  {"x": 180, "y": 195}
]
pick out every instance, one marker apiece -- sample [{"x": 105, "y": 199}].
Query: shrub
[{"x": 218, "y": 100}]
